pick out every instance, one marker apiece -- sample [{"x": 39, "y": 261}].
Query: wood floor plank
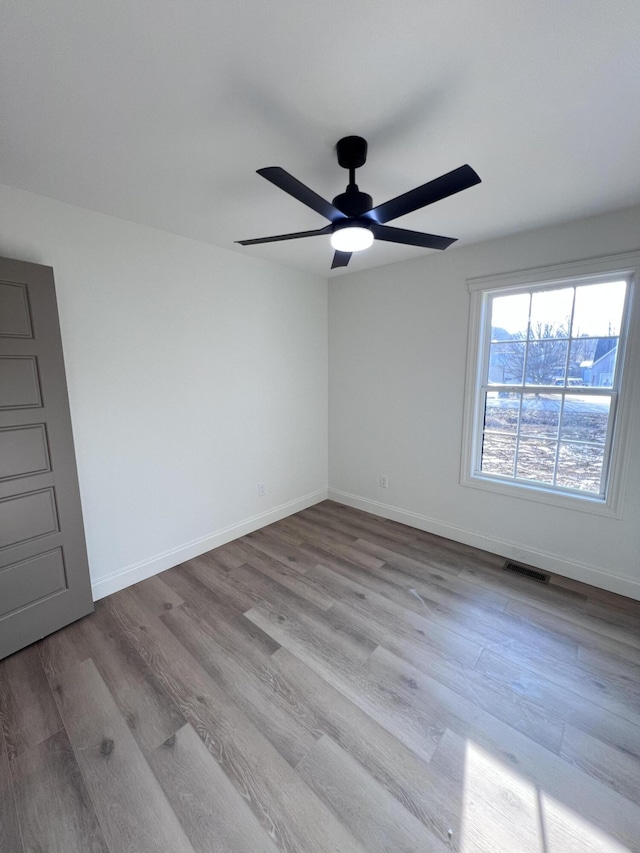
[
  {"x": 615, "y": 623},
  {"x": 151, "y": 715},
  {"x": 615, "y": 649},
  {"x": 481, "y": 625},
  {"x": 27, "y": 709},
  {"x": 56, "y": 811},
  {"x": 432, "y": 550},
  {"x": 495, "y": 697},
  {"x": 386, "y": 622},
  {"x": 158, "y": 597},
  {"x": 599, "y": 657},
  {"x": 288, "y": 810},
  {"x": 320, "y": 640},
  {"x": 520, "y": 588},
  {"x": 571, "y": 786},
  {"x": 235, "y": 598},
  {"x": 409, "y": 535},
  {"x": 377, "y": 579},
  {"x": 66, "y": 647},
  {"x": 241, "y": 684},
  {"x": 315, "y": 531},
  {"x": 454, "y": 584},
  {"x": 419, "y": 595},
  {"x": 278, "y": 545},
  {"x": 566, "y": 829},
  {"x": 609, "y": 689},
  {"x": 329, "y": 512},
  {"x": 599, "y": 596},
  {"x": 146, "y": 708},
  {"x": 619, "y": 732},
  {"x": 504, "y": 809},
  {"x": 215, "y": 817},
  {"x": 290, "y": 578},
  {"x": 444, "y": 559},
  {"x": 566, "y": 604},
  {"x": 10, "y": 837},
  {"x": 279, "y": 530},
  {"x": 131, "y": 806},
  {"x": 394, "y": 765},
  {"x": 362, "y": 526},
  {"x": 371, "y": 813},
  {"x": 330, "y": 632},
  {"x": 371, "y": 694},
  {"x": 617, "y": 768},
  {"x": 221, "y": 558},
  {"x": 232, "y": 631},
  {"x": 416, "y": 686},
  {"x": 503, "y": 630}
]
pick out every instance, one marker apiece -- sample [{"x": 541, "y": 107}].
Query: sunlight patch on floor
[{"x": 502, "y": 811}]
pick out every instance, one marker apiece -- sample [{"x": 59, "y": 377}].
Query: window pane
[
  {"x": 498, "y": 454},
  {"x": 580, "y": 466},
  {"x": 501, "y": 412},
  {"x": 546, "y": 361},
  {"x": 585, "y": 418},
  {"x": 540, "y": 415},
  {"x": 536, "y": 460},
  {"x": 506, "y": 363},
  {"x": 510, "y": 316},
  {"x": 598, "y": 311},
  {"x": 551, "y": 313},
  {"x": 593, "y": 361}
]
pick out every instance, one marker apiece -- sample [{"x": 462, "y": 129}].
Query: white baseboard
[
  {"x": 541, "y": 559},
  {"x": 168, "y": 559}
]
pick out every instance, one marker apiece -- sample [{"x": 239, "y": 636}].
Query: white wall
[
  {"x": 194, "y": 373},
  {"x": 397, "y": 352}
]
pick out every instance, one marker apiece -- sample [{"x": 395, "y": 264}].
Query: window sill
[{"x": 539, "y": 494}]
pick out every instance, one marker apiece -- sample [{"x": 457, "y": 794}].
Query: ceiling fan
[{"x": 354, "y": 222}]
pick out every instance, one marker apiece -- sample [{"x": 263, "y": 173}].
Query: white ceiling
[{"x": 160, "y": 111}]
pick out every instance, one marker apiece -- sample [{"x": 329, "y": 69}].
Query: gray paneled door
[{"x": 44, "y": 575}]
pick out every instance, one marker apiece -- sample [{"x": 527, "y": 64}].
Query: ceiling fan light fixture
[{"x": 351, "y": 238}]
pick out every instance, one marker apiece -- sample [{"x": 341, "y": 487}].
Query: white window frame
[{"x": 617, "y": 267}]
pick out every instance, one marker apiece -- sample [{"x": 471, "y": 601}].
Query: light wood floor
[{"x": 334, "y": 682}]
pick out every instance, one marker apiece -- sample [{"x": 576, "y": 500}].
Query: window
[{"x": 544, "y": 397}]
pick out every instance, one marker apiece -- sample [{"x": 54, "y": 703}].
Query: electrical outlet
[
  {"x": 262, "y": 490},
  {"x": 384, "y": 481}
]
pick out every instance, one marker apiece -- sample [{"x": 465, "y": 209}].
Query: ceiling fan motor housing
[{"x": 353, "y": 202}]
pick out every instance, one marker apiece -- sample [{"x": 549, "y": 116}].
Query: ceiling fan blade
[
  {"x": 340, "y": 259},
  {"x": 411, "y": 238},
  {"x": 446, "y": 185},
  {"x": 294, "y": 236},
  {"x": 298, "y": 190}
]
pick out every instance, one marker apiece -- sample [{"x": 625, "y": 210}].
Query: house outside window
[{"x": 549, "y": 365}]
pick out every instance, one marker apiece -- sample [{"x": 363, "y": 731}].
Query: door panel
[
  {"x": 26, "y": 517},
  {"x": 19, "y": 385},
  {"x": 44, "y": 575},
  {"x": 23, "y": 451},
  {"x": 15, "y": 317}
]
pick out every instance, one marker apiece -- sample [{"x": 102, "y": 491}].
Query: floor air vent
[{"x": 534, "y": 574}]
